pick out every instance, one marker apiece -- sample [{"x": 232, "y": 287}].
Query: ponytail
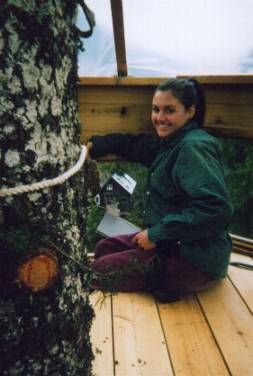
[{"x": 200, "y": 103}]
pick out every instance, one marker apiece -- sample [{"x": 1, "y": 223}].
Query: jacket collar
[{"x": 177, "y": 135}]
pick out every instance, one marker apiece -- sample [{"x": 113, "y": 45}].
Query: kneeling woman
[{"x": 184, "y": 246}]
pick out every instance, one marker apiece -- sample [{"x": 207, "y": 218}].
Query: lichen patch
[{"x": 12, "y": 158}]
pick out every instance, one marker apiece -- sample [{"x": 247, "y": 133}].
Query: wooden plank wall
[{"x": 124, "y": 104}]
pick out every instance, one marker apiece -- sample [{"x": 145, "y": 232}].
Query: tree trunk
[{"x": 44, "y": 329}]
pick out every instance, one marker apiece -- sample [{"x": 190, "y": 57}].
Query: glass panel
[
  {"x": 98, "y": 58},
  {"x": 238, "y": 155},
  {"x": 171, "y": 37}
]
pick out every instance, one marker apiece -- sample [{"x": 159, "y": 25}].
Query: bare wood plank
[
  {"x": 242, "y": 79},
  {"x": 225, "y": 95},
  {"x": 223, "y": 79},
  {"x": 232, "y": 326},
  {"x": 191, "y": 345},
  {"x": 119, "y": 37},
  {"x": 242, "y": 279},
  {"x": 140, "y": 347},
  {"x": 108, "y": 109},
  {"x": 229, "y": 94},
  {"x": 130, "y": 119},
  {"x": 242, "y": 245},
  {"x": 101, "y": 335},
  {"x": 115, "y": 95},
  {"x": 237, "y": 116},
  {"x": 120, "y": 81}
]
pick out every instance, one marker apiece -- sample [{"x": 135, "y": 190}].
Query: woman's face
[{"x": 168, "y": 113}]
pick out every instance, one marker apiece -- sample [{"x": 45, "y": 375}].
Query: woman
[{"x": 184, "y": 246}]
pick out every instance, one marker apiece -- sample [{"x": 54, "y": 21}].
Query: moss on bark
[{"x": 45, "y": 333}]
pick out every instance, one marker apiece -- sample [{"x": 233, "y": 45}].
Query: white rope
[{"x": 46, "y": 183}]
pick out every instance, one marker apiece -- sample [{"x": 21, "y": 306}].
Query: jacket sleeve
[
  {"x": 141, "y": 148},
  {"x": 198, "y": 176}
]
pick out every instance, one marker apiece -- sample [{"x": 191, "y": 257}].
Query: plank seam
[
  {"x": 239, "y": 293},
  {"x": 164, "y": 336},
  {"x": 113, "y": 331},
  {"x": 213, "y": 334}
]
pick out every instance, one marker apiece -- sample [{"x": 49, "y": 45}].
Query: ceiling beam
[{"x": 119, "y": 37}]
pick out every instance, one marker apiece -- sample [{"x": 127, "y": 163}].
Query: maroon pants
[{"x": 139, "y": 270}]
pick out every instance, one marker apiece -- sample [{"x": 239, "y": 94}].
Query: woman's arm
[
  {"x": 198, "y": 176},
  {"x": 140, "y": 148}
]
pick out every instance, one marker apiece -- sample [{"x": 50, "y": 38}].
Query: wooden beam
[
  {"x": 240, "y": 79},
  {"x": 124, "y": 104},
  {"x": 119, "y": 37},
  {"x": 242, "y": 245},
  {"x": 237, "y": 79}
]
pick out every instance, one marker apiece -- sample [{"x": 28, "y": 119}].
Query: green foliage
[
  {"x": 93, "y": 217},
  {"x": 238, "y": 156}
]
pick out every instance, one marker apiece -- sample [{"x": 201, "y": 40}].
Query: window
[
  {"x": 109, "y": 187},
  {"x": 99, "y": 58},
  {"x": 172, "y": 37}
]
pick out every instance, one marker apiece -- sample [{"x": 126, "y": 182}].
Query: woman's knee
[
  {"x": 99, "y": 247},
  {"x": 119, "y": 274},
  {"x": 113, "y": 245},
  {"x": 103, "y": 247}
]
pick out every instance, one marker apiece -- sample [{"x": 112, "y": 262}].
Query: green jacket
[{"x": 186, "y": 198}]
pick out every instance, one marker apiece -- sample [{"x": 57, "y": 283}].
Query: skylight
[{"x": 173, "y": 37}]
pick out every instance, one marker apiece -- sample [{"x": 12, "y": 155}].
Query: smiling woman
[{"x": 184, "y": 245}]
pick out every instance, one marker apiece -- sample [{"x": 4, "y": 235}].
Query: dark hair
[{"x": 189, "y": 92}]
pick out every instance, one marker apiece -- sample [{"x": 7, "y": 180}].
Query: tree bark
[{"x": 43, "y": 332}]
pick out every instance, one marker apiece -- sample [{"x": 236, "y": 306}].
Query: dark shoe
[{"x": 165, "y": 297}]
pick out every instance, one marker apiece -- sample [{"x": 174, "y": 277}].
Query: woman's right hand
[{"x": 142, "y": 240}]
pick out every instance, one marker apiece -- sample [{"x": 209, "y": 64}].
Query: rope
[
  {"x": 46, "y": 183},
  {"x": 90, "y": 19}
]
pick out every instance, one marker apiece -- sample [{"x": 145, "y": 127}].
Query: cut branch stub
[{"x": 39, "y": 272}]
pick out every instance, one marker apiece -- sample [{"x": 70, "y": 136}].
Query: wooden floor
[{"x": 210, "y": 333}]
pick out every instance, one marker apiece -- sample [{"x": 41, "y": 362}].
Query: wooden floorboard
[
  {"x": 102, "y": 335},
  {"x": 191, "y": 344},
  {"x": 231, "y": 323},
  {"x": 242, "y": 279},
  {"x": 140, "y": 348},
  {"x": 210, "y": 333}
]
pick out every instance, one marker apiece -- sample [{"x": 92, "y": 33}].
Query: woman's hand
[{"x": 142, "y": 240}]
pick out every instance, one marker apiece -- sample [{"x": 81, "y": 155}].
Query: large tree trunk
[{"x": 43, "y": 332}]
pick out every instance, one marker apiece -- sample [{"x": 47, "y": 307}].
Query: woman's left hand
[{"x": 142, "y": 240}]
